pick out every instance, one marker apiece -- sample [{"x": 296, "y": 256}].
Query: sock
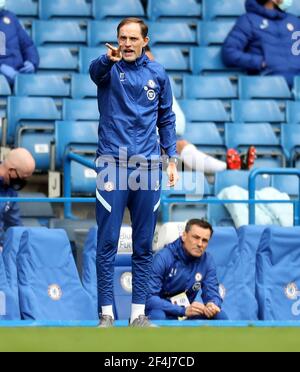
[
  {"x": 136, "y": 311},
  {"x": 201, "y": 162},
  {"x": 108, "y": 310}
]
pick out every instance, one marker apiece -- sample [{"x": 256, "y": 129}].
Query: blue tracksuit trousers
[{"x": 142, "y": 197}]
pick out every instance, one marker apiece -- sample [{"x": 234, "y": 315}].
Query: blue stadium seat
[
  {"x": 204, "y": 110},
  {"x": 296, "y": 89},
  {"x": 213, "y": 33},
  {"x": 57, "y": 58},
  {"x": 218, "y": 215},
  {"x": 58, "y": 32},
  {"x": 290, "y": 141},
  {"x": 173, "y": 59},
  {"x": 24, "y": 8},
  {"x": 222, "y": 9},
  {"x": 262, "y": 136},
  {"x": 80, "y": 109},
  {"x": 4, "y": 87},
  {"x": 121, "y": 9},
  {"x": 41, "y": 85},
  {"x": 64, "y": 8},
  {"x": 30, "y": 111},
  {"x": 101, "y": 32},
  {"x": 173, "y": 8},
  {"x": 252, "y": 111},
  {"x": 278, "y": 274},
  {"x": 211, "y": 87},
  {"x": 239, "y": 303},
  {"x": 122, "y": 277},
  {"x": 295, "y": 8},
  {"x": 87, "y": 55},
  {"x": 74, "y": 135},
  {"x": 83, "y": 87},
  {"x": 238, "y": 178},
  {"x": 293, "y": 112},
  {"x": 45, "y": 263},
  {"x": 208, "y": 60},
  {"x": 9, "y": 307},
  {"x": 287, "y": 184},
  {"x": 163, "y": 33},
  {"x": 268, "y": 87}
]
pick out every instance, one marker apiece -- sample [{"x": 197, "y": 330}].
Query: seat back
[
  {"x": 119, "y": 9},
  {"x": 41, "y": 86},
  {"x": 64, "y": 8},
  {"x": 222, "y": 9},
  {"x": 173, "y": 8}
]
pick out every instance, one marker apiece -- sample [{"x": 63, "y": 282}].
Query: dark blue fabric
[
  {"x": 278, "y": 274},
  {"x": 143, "y": 206},
  {"x": 9, "y": 307},
  {"x": 9, "y": 211},
  {"x": 129, "y": 114},
  {"x": 19, "y": 46},
  {"x": 263, "y": 35},
  {"x": 174, "y": 272},
  {"x": 49, "y": 284}
]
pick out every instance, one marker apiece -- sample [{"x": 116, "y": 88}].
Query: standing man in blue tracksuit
[
  {"x": 18, "y": 53},
  {"x": 135, "y": 100},
  {"x": 183, "y": 281},
  {"x": 262, "y": 41}
]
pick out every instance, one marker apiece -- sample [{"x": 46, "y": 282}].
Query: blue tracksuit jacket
[
  {"x": 174, "y": 272},
  {"x": 19, "y": 46},
  {"x": 263, "y": 35},
  {"x": 9, "y": 212},
  {"x": 134, "y": 100}
]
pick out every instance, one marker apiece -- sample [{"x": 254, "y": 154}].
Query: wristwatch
[{"x": 173, "y": 160}]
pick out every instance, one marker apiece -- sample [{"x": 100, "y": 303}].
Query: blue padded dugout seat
[
  {"x": 290, "y": 141},
  {"x": 239, "y": 304},
  {"x": 204, "y": 110},
  {"x": 82, "y": 87},
  {"x": 262, "y": 136},
  {"x": 21, "y": 110},
  {"x": 267, "y": 87},
  {"x": 213, "y": 33},
  {"x": 208, "y": 87},
  {"x": 24, "y": 8},
  {"x": 122, "y": 277},
  {"x": 64, "y": 8},
  {"x": 49, "y": 284},
  {"x": 9, "y": 306},
  {"x": 172, "y": 58},
  {"x": 41, "y": 86},
  {"x": 118, "y": 9},
  {"x": 278, "y": 274},
  {"x": 87, "y": 55},
  {"x": 4, "y": 86},
  {"x": 57, "y": 59},
  {"x": 173, "y": 8},
  {"x": 253, "y": 111},
  {"x": 58, "y": 32},
  {"x": 222, "y": 9}
]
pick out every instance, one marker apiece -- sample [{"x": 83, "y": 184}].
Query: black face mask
[{"x": 17, "y": 184}]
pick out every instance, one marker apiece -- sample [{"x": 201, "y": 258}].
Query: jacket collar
[{"x": 252, "y": 6}]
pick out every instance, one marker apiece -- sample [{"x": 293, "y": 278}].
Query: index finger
[{"x": 109, "y": 46}]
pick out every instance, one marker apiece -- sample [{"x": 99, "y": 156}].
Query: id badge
[{"x": 180, "y": 300}]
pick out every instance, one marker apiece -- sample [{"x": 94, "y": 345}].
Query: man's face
[
  {"x": 196, "y": 241},
  {"x": 131, "y": 41}
]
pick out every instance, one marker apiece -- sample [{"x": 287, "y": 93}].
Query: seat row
[{"x": 40, "y": 281}]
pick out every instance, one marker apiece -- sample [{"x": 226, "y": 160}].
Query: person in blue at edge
[
  {"x": 15, "y": 169},
  {"x": 183, "y": 282},
  {"x": 261, "y": 41},
  {"x": 18, "y": 53},
  {"x": 135, "y": 99}
]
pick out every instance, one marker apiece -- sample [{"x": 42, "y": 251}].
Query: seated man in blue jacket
[
  {"x": 183, "y": 280},
  {"x": 261, "y": 41},
  {"x": 18, "y": 53},
  {"x": 16, "y": 168}
]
